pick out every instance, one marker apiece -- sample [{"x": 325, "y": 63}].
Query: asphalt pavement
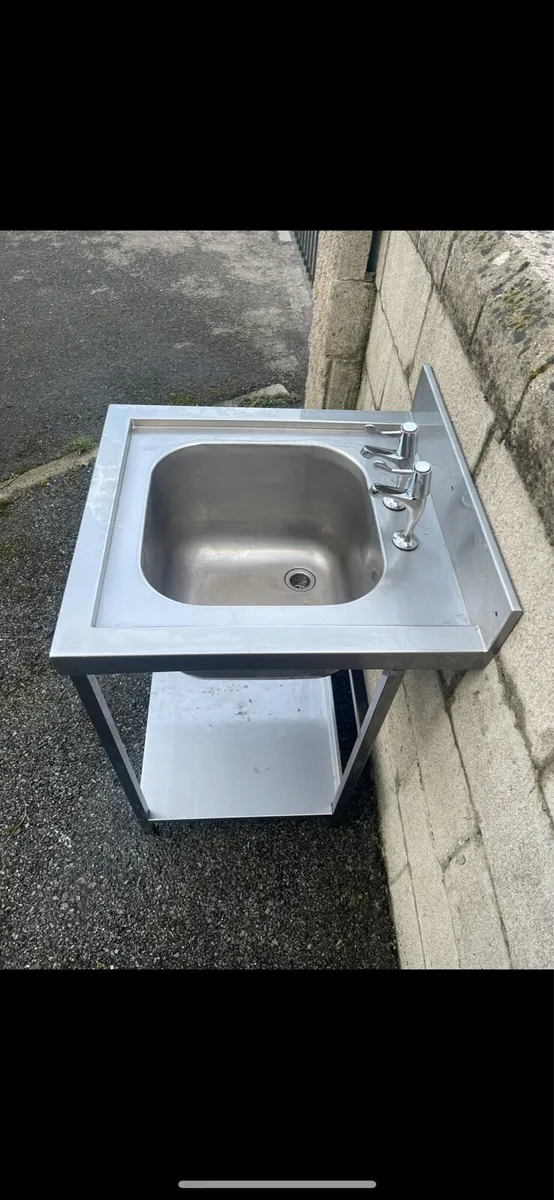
[{"x": 89, "y": 319}]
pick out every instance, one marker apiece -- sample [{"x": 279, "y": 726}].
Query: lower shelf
[{"x": 234, "y": 748}]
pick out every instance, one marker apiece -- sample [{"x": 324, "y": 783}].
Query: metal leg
[
  {"x": 381, "y": 701},
  {"x": 359, "y": 696},
  {"x": 101, "y": 717}
]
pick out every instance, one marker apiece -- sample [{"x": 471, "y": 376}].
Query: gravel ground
[{"x": 81, "y": 886}]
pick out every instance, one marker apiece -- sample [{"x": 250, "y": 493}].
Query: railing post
[{"x": 306, "y": 240}]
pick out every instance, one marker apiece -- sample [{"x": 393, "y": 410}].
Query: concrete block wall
[
  {"x": 344, "y": 294},
  {"x": 465, "y": 765}
]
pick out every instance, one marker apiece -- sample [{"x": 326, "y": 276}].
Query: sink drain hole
[{"x": 300, "y": 579}]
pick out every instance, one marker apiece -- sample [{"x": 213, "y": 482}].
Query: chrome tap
[
  {"x": 413, "y": 497},
  {"x": 403, "y": 457}
]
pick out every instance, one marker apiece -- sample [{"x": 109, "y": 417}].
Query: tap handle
[
  {"x": 384, "y": 430},
  {"x": 407, "y": 446},
  {"x": 390, "y": 430},
  {"x": 421, "y": 480},
  {"x": 390, "y": 467}
]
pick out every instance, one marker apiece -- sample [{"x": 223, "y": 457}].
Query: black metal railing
[{"x": 306, "y": 240}]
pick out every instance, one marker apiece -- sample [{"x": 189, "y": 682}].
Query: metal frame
[
  {"x": 383, "y": 696},
  {"x": 368, "y": 727},
  {"x": 96, "y": 706}
]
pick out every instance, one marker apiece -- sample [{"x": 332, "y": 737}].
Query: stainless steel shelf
[{"x": 239, "y": 748}]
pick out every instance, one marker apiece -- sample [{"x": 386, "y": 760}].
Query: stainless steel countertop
[{"x": 448, "y": 604}]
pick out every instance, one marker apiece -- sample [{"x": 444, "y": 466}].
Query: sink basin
[
  {"x": 271, "y": 524},
  {"x": 237, "y": 543}
]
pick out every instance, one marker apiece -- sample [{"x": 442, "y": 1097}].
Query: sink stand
[
  {"x": 256, "y": 748},
  {"x": 242, "y": 719}
]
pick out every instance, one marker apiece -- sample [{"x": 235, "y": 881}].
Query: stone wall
[
  {"x": 465, "y": 765},
  {"x": 344, "y": 294}
]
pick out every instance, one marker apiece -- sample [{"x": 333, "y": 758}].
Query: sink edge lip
[{"x": 432, "y": 646}]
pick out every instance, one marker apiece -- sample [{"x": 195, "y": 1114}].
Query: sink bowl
[
  {"x": 271, "y": 524},
  {"x": 233, "y": 543}
]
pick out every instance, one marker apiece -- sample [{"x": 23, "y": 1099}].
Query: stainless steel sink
[
  {"x": 272, "y": 524},
  {"x": 242, "y": 558},
  {"x": 234, "y": 543}
]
